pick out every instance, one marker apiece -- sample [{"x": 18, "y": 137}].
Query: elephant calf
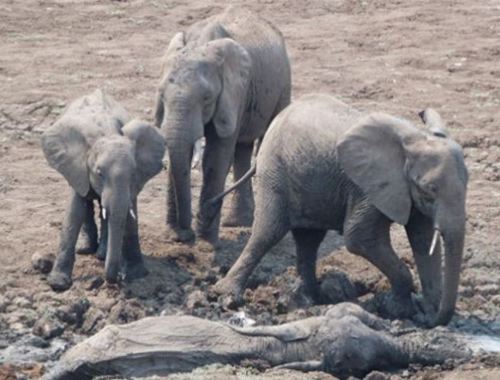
[
  {"x": 323, "y": 165},
  {"x": 345, "y": 341},
  {"x": 104, "y": 157}
]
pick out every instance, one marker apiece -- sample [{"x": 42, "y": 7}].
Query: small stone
[
  {"x": 196, "y": 300},
  {"x": 94, "y": 283},
  {"x": 4, "y": 303},
  {"x": 73, "y": 314},
  {"x": 376, "y": 375},
  {"x": 94, "y": 319},
  {"x": 48, "y": 327},
  {"x": 126, "y": 311},
  {"x": 21, "y": 302},
  {"x": 42, "y": 262}
]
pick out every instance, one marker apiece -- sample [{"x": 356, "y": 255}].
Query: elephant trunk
[
  {"x": 181, "y": 132},
  {"x": 452, "y": 228},
  {"x": 180, "y": 171},
  {"x": 116, "y": 206}
]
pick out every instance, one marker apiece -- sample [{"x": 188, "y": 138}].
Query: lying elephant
[
  {"x": 325, "y": 166},
  {"x": 104, "y": 157},
  {"x": 224, "y": 79},
  {"x": 346, "y": 341}
]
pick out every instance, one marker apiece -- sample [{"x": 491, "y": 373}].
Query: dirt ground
[{"x": 395, "y": 56}]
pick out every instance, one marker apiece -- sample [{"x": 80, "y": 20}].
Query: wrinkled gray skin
[
  {"x": 224, "y": 79},
  {"x": 323, "y": 165},
  {"x": 104, "y": 157},
  {"x": 345, "y": 341}
]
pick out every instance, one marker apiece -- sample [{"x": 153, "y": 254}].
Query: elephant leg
[
  {"x": 242, "y": 204},
  {"x": 307, "y": 242},
  {"x": 87, "y": 243},
  {"x": 269, "y": 227},
  {"x": 368, "y": 235},
  {"x": 134, "y": 263},
  {"x": 103, "y": 240},
  {"x": 217, "y": 159},
  {"x": 420, "y": 230},
  {"x": 60, "y": 276}
]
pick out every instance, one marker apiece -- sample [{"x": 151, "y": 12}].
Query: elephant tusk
[
  {"x": 132, "y": 214},
  {"x": 103, "y": 213},
  {"x": 435, "y": 239}
]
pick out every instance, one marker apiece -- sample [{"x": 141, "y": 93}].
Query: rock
[
  {"x": 376, "y": 375},
  {"x": 21, "y": 302},
  {"x": 126, "y": 311},
  {"x": 48, "y": 327},
  {"x": 73, "y": 314},
  {"x": 42, "y": 262},
  {"x": 93, "y": 321},
  {"x": 4, "y": 303},
  {"x": 196, "y": 300},
  {"x": 94, "y": 283}
]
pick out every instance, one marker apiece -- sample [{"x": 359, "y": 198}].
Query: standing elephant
[
  {"x": 108, "y": 158},
  {"x": 224, "y": 79},
  {"x": 323, "y": 165}
]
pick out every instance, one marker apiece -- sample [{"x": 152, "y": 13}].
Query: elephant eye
[
  {"x": 99, "y": 172},
  {"x": 429, "y": 189}
]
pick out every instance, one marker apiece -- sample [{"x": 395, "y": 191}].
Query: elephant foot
[
  {"x": 101, "y": 252},
  {"x": 302, "y": 297},
  {"x": 180, "y": 235},
  {"x": 394, "y": 306},
  {"x": 426, "y": 313},
  {"x": 59, "y": 281},
  {"x": 134, "y": 271},
  {"x": 86, "y": 247},
  {"x": 227, "y": 287},
  {"x": 207, "y": 246},
  {"x": 209, "y": 236}
]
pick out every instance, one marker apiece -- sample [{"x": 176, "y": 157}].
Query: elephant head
[
  {"x": 113, "y": 162},
  {"x": 203, "y": 82},
  {"x": 406, "y": 171}
]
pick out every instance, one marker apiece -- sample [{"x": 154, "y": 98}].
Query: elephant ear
[
  {"x": 65, "y": 146},
  {"x": 373, "y": 156},
  {"x": 433, "y": 121},
  {"x": 149, "y": 149},
  {"x": 236, "y": 64}
]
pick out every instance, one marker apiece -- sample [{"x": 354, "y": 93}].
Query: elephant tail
[{"x": 249, "y": 174}]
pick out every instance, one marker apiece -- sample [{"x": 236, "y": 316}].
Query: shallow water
[{"x": 485, "y": 343}]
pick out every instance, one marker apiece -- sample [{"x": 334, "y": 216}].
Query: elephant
[
  {"x": 345, "y": 341},
  {"x": 223, "y": 80},
  {"x": 324, "y": 165},
  {"x": 107, "y": 157}
]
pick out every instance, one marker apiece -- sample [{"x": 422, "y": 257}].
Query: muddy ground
[{"x": 394, "y": 56}]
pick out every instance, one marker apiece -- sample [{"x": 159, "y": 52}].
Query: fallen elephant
[{"x": 345, "y": 341}]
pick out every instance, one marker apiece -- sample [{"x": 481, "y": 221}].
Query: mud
[{"x": 393, "y": 56}]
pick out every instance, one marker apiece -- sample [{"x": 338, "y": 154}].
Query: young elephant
[
  {"x": 224, "y": 79},
  {"x": 108, "y": 158},
  {"x": 323, "y": 165}
]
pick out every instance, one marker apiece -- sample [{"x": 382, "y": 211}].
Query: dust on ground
[{"x": 393, "y": 56}]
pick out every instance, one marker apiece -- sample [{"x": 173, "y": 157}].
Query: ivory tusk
[
  {"x": 199, "y": 147},
  {"x": 103, "y": 213},
  {"x": 435, "y": 239},
  {"x": 132, "y": 214}
]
